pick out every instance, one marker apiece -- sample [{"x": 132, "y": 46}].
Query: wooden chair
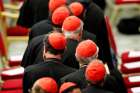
[
  {"x": 3, "y": 50},
  {"x": 13, "y": 4},
  {"x": 12, "y": 49},
  {"x": 134, "y": 90},
  {"x": 131, "y": 64},
  {"x": 130, "y": 56},
  {"x": 132, "y": 80},
  {"x": 12, "y": 91},
  {"x": 11, "y": 72},
  {"x": 12, "y": 84},
  {"x": 15, "y": 44},
  {"x": 117, "y": 9},
  {"x": 11, "y": 15}
]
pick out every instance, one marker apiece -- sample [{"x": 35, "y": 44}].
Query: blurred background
[{"x": 124, "y": 16}]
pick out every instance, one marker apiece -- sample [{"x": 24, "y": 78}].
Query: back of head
[
  {"x": 95, "y": 71},
  {"x": 67, "y": 87},
  {"x": 55, "y": 43},
  {"x": 53, "y": 4},
  {"x": 86, "y": 51},
  {"x": 72, "y": 25},
  {"x": 76, "y": 8},
  {"x": 45, "y": 85},
  {"x": 59, "y": 15}
]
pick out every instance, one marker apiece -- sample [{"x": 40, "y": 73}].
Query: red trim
[
  {"x": 111, "y": 36},
  {"x": 126, "y": 59},
  {"x": 1, "y": 5},
  {"x": 2, "y": 46},
  {"x": 126, "y": 1},
  {"x": 130, "y": 84}
]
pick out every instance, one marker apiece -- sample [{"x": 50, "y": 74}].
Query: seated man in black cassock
[{"x": 54, "y": 46}]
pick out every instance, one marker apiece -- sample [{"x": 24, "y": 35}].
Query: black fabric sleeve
[
  {"x": 30, "y": 35},
  {"x": 100, "y": 3},
  {"x": 26, "y": 15},
  {"x": 25, "y": 61},
  {"x": 104, "y": 46},
  {"x": 110, "y": 81},
  {"x": 29, "y": 54},
  {"x": 40, "y": 28},
  {"x": 118, "y": 77},
  {"x": 26, "y": 82},
  {"x": 33, "y": 52}
]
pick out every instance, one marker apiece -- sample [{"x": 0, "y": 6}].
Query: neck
[
  {"x": 49, "y": 55},
  {"x": 77, "y": 37},
  {"x": 82, "y": 65}
]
